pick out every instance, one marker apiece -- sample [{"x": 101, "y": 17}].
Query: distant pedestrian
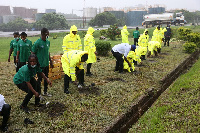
[
  {"x": 167, "y": 35},
  {"x": 13, "y": 47},
  {"x": 136, "y": 35}
]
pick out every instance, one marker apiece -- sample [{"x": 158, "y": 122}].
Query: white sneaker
[
  {"x": 47, "y": 94},
  {"x": 80, "y": 86}
]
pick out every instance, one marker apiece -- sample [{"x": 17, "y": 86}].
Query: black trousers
[
  {"x": 5, "y": 112},
  {"x": 45, "y": 70},
  {"x": 23, "y": 86},
  {"x": 89, "y": 65},
  {"x": 19, "y": 65},
  {"x": 166, "y": 41},
  {"x": 136, "y": 41},
  {"x": 80, "y": 77},
  {"x": 119, "y": 61}
]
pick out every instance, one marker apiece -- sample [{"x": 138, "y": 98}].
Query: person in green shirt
[
  {"x": 23, "y": 50},
  {"x": 24, "y": 79},
  {"x": 13, "y": 47},
  {"x": 136, "y": 35},
  {"x": 41, "y": 49}
]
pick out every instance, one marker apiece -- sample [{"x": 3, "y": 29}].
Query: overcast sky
[{"x": 66, "y": 6}]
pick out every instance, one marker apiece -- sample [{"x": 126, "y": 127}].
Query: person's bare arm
[{"x": 31, "y": 88}]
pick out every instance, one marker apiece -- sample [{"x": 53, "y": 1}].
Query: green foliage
[
  {"x": 189, "y": 47},
  {"x": 194, "y": 37},
  {"x": 17, "y": 25},
  {"x": 83, "y": 33},
  {"x": 103, "y": 32},
  {"x": 113, "y": 31},
  {"x": 51, "y": 21},
  {"x": 183, "y": 33},
  {"x": 104, "y": 18},
  {"x": 103, "y": 47}
]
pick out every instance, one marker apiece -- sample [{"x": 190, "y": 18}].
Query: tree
[
  {"x": 17, "y": 25},
  {"x": 104, "y": 18},
  {"x": 51, "y": 21}
]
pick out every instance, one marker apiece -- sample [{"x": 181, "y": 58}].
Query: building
[{"x": 5, "y": 10}]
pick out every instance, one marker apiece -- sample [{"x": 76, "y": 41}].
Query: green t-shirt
[
  {"x": 41, "y": 49},
  {"x": 136, "y": 34},
  {"x": 24, "y": 48},
  {"x": 13, "y": 45},
  {"x": 25, "y": 74}
]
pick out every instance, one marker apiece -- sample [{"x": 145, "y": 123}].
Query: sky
[{"x": 66, "y": 6}]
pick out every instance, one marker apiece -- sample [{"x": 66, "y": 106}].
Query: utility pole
[{"x": 83, "y": 14}]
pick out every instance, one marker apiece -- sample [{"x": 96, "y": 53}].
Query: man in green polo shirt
[
  {"x": 23, "y": 50},
  {"x": 41, "y": 49},
  {"x": 13, "y": 47},
  {"x": 136, "y": 35}
]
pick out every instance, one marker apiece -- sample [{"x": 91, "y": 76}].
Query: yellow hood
[{"x": 90, "y": 30}]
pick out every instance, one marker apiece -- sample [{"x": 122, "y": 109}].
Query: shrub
[
  {"x": 113, "y": 31},
  {"x": 183, "y": 32},
  {"x": 189, "y": 47},
  {"x": 194, "y": 37},
  {"x": 103, "y": 47},
  {"x": 103, "y": 32}
]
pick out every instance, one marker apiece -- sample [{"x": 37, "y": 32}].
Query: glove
[{"x": 131, "y": 69}]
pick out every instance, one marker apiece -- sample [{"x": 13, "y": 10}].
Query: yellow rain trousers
[
  {"x": 89, "y": 45},
  {"x": 70, "y": 60},
  {"x": 140, "y": 51},
  {"x": 71, "y": 41}
]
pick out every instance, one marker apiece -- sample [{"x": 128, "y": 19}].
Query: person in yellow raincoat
[
  {"x": 72, "y": 64},
  {"x": 130, "y": 57},
  {"x": 72, "y": 41},
  {"x": 143, "y": 42},
  {"x": 139, "y": 51},
  {"x": 89, "y": 46},
  {"x": 124, "y": 34},
  {"x": 159, "y": 35},
  {"x": 152, "y": 47}
]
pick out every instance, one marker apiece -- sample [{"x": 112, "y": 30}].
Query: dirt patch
[
  {"x": 53, "y": 109},
  {"x": 115, "y": 79},
  {"x": 89, "y": 90}
]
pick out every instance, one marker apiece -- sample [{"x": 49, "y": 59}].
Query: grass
[
  {"x": 178, "y": 109},
  {"x": 93, "y": 109}
]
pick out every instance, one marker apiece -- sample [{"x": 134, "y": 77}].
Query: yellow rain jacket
[
  {"x": 158, "y": 34},
  {"x": 70, "y": 60},
  {"x": 140, "y": 51},
  {"x": 152, "y": 46},
  {"x": 124, "y": 34},
  {"x": 71, "y": 41},
  {"x": 154, "y": 38},
  {"x": 143, "y": 41},
  {"x": 89, "y": 45},
  {"x": 130, "y": 57}
]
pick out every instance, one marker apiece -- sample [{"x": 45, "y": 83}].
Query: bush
[
  {"x": 183, "y": 32},
  {"x": 103, "y": 47},
  {"x": 194, "y": 37},
  {"x": 189, "y": 47},
  {"x": 103, "y": 32},
  {"x": 113, "y": 31}
]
